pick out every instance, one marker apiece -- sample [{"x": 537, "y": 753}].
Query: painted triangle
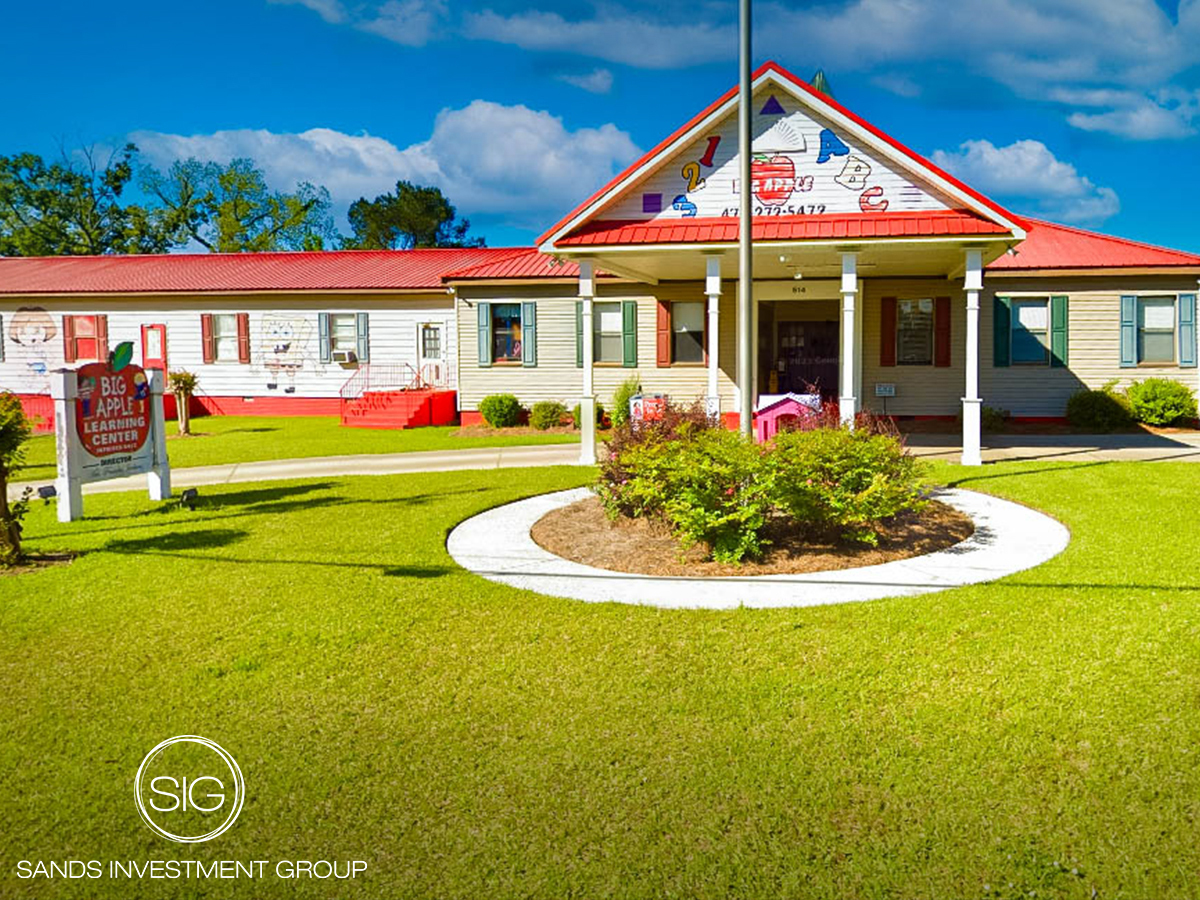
[{"x": 771, "y": 108}]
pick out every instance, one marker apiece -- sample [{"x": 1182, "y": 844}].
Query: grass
[
  {"x": 1038, "y": 734},
  {"x": 228, "y": 439}
]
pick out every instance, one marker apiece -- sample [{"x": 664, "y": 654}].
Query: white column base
[
  {"x": 972, "y": 434},
  {"x": 846, "y": 409},
  {"x": 587, "y": 427},
  {"x": 712, "y": 406}
]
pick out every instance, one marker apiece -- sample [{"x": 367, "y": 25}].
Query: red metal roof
[
  {"x": 1051, "y": 246},
  {"x": 344, "y": 270},
  {"x": 784, "y": 228},
  {"x": 525, "y": 262},
  {"x": 805, "y": 87}
]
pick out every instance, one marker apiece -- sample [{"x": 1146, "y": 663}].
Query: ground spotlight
[
  {"x": 189, "y": 498},
  {"x": 47, "y": 492}
]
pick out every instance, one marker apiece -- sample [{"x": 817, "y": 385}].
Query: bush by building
[
  {"x": 1100, "y": 410},
  {"x": 546, "y": 414},
  {"x": 1161, "y": 401},
  {"x": 500, "y": 410}
]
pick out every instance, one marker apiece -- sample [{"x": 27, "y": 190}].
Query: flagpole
[{"x": 745, "y": 316}]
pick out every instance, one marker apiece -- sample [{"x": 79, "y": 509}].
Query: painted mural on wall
[
  {"x": 31, "y": 330},
  {"x": 284, "y": 350},
  {"x": 801, "y": 167}
]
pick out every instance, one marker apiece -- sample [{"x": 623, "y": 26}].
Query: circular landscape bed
[
  {"x": 498, "y": 544},
  {"x": 581, "y": 532}
]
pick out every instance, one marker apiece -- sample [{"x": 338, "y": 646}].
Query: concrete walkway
[{"x": 1080, "y": 448}]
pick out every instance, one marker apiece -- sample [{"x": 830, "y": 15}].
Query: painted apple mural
[{"x": 773, "y": 177}]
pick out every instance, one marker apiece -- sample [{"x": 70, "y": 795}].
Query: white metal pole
[
  {"x": 587, "y": 403},
  {"x": 158, "y": 479},
  {"x": 972, "y": 437},
  {"x": 68, "y": 487},
  {"x": 745, "y": 317}
]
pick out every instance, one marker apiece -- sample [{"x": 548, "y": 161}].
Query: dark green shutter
[
  {"x": 1187, "y": 331},
  {"x": 1001, "y": 331},
  {"x": 1, "y": 338},
  {"x": 529, "y": 334},
  {"x": 579, "y": 334},
  {"x": 629, "y": 333},
  {"x": 485, "y": 334},
  {"x": 1128, "y": 332},
  {"x": 1058, "y": 332},
  {"x": 363, "y": 329},
  {"x": 326, "y": 348}
]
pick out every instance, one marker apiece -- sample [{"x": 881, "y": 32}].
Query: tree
[
  {"x": 413, "y": 216},
  {"x": 183, "y": 385},
  {"x": 74, "y": 207},
  {"x": 230, "y": 209},
  {"x": 14, "y": 431}
]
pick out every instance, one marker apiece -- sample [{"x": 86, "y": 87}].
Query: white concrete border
[{"x": 1008, "y": 538}]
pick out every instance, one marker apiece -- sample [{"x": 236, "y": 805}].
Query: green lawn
[
  {"x": 227, "y": 439},
  {"x": 1039, "y": 734}
]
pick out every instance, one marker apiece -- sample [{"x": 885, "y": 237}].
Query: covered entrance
[{"x": 799, "y": 332}]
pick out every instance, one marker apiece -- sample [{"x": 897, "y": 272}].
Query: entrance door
[
  {"x": 154, "y": 347},
  {"x": 431, "y": 353},
  {"x": 807, "y": 357}
]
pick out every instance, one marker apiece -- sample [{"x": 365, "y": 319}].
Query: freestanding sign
[{"x": 109, "y": 423}]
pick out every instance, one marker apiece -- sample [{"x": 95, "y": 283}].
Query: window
[
  {"x": 1156, "y": 330},
  {"x": 1031, "y": 332},
  {"x": 687, "y": 332},
  {"x": 82, "y": 338},
  {"x": 431, "y": 341},
  {"x": 506, "y": 332},
  {"x": 607, "y": 332},
  {"x": 343, "y": 332},
  {"x": 914, "y": 332},
  {"x": 225, "y": 337}
]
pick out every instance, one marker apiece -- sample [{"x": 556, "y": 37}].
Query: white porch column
[
  {"x": 972, "y": 437},
  {"x": 846, "y": 404},
  {"x": 712, "y": 288},
  {"x": 64, "y": 389},
  {"x": 587, "y": 402}
]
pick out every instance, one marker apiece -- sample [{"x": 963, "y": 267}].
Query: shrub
[
  {"x": 1100, "y": 410},
  {"x": 183, "y": 385},
  {"x": 845, "y": 480},
  {"x": 577, "y": 421},
  {"x": 626, "y": 391},
  {"x": 994, "y": 419},
  {"x": 500, "y": 410},
  {"x": 1161, "y": 401},
  {"x": 546, "y": 414},
  {"x": 15, "y": 430}
]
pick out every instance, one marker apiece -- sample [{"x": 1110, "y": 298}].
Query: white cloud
[
  {"x": 487, "y": 157},
  {"x": 412, "y": 23},
  {"x": 331, "y": 11},
  {"x": 597, "y": 81},
  {"x": 1028, "y": 171},
  {"x": 615, "y": 35}
]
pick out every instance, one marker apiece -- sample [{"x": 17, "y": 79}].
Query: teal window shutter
[
  {"x": 326, "y": 348},
  {"x": 529, "y": 334},
  {"x": 1187, "y": 331},
  {"x": 629, "y": 333},
  {"x": 364, "y": 338},
  {"x": 1058, "y": 332},
  {"x": 579, "y": 334},
  {"x": 485, "y": 333},
  {"x": 1001, "y": 331},
  {"x": 1128, "y": 331},
  {"x": 1, "y": 338}
]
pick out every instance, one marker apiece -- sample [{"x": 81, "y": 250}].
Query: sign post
[{"x": 108, "y": 423}]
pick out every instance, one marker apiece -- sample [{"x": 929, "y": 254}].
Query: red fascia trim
[{"x": 772, "y": 66}]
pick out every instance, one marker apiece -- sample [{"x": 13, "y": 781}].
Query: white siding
[{"x": 394, "y": 322}]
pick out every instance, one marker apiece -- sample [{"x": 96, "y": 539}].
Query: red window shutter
[
  {"x": 206, "y": 338},
  {"x": 662, "y": 343},
  {"x": 887, "y": 331},
  {"x": 69, "y": 339},
  {"x": 243, "y": 326},
  {"x": 102, "y": 338},
  {"x": 941, "y": 332}
]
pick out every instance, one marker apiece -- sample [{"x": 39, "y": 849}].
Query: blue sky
[{"x": 1084, "y": 111}]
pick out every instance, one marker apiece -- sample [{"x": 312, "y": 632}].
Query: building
[{"x": 880, "y": 280}]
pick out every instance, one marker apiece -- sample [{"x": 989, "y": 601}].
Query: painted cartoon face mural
[
  {"x": 284, "y": 349},
  {"x": 32, "y": 329},
  {"x": 801, "y": 165}
]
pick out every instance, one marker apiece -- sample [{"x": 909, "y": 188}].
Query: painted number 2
[{"x": 691, "y": 171}]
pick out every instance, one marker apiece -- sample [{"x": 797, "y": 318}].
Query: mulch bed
[
  {"x": 477, "y": 431},
  {"x": 34, "y": 562},
  {"x": 583, "y": 533}
]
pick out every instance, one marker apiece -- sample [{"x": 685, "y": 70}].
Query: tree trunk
[
  {"x": 10, "y": 529},
  {"x": 183, "y": 412}
]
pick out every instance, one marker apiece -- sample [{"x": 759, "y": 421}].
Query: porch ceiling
[{"x": 779, "y": 260}]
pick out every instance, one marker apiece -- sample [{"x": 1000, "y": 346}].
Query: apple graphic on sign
[{"x": 774, "y": 178}]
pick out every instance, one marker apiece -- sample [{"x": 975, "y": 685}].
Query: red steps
[{"x": 399, "y": 409}]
